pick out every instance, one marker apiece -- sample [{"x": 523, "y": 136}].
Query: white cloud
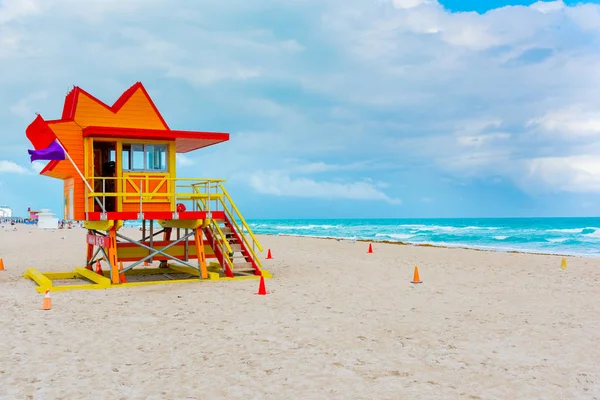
[
  {"x": 467, "y": 32},
  {"x": 403, "y": 82},
  {"x": 295, "y": 178},
  {"x": 317, "y": 167},
  {"x": 579, "y": 174},
  {"x": 406, "y": 4},
  {"x": 12, "y": 167},
  {"x": 184, "y": 160},
  {"x": 481, "y": 140},
  {"x": 569, "y": 122},
  {"x": 280, "y": 184},
  {"x": 97, "y": 11},
  {"x": 37, "y": 166},
  {"x": 548, "y": 6},
  {"x": 23, "y": 107},
  {"x": 470, "y": 133},
  {"x": 586, "y": 16},
  {"x": 206, "y": 76},
  {"x": 11, "y": 10}
]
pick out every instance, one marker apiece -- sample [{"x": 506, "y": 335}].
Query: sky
[{"x": 336, "y": 108}]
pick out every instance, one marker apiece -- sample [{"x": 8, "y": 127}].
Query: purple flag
[{"x": 53, "y": 152}]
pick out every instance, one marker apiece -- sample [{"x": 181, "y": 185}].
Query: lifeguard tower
[{"x": 118, "y": 164}]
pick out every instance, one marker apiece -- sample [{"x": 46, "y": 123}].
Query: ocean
[{"x": 563, "y": 236}]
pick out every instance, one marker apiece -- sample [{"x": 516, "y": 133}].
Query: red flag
[{"x": 39, "y": 133}]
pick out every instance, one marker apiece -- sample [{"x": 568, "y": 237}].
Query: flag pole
[{"x": 80, "y": 174}]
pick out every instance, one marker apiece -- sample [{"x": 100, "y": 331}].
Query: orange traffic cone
[
  {"x": 99, "y": 268},
  {"x": 370, "y": 248},
  {"x": 146, "y": 263},
  {"x": 262, "y": 290},
  {"x": 122, "y": 277},
  {"x": 47, "y": 304},
  {"x": 1, "y": 265},
  {"x": 269, "y": 255},
  {"x": 416, "y": 278}
]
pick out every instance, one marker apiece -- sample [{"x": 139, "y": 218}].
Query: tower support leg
[
  {"x": 112, "y": 256},
  {"x": 200, "y": 253}
]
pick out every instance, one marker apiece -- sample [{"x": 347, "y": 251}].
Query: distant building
[
  {"x": 33, "y": 214},
  {"x": 46, "y": 220},
  {"x": 6, "y": 212}
]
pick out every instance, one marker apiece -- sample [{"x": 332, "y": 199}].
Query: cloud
[
  {"x": 23, "y": 107},
  {"x": 317, "y": 167},
  {"x": 573, "y": 121},
  {"x": 184, "y": 160},
  {"x": 411, "y": 3},
  {"x": 374, "y": 88},
  {"x": 281, "y": 184},
  {"x": 577, "y": 174},
  {"x": 11, "y": 10},
  {"x": 37, "y": 166},
  {"x": 482, "y": 139},
  {"x": 206, "y": 76},
  {"x": 548, "y": 6},
  {"x": 12, "y": 167}
]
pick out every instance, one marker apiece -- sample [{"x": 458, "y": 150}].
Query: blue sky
[{"x": 354, "y": 108}]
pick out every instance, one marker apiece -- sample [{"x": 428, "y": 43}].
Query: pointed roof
[
  {"x": 72, "y": 98},
  {"x": 185, "y": 140}
]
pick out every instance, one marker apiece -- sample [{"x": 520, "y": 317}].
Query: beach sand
[{"x": 338, "y": 324}]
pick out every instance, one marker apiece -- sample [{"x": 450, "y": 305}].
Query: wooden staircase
[
  {"x": 240, "y": 260},
  {"x": 233, "y": 242}
]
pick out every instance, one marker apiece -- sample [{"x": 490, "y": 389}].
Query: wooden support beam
[
  {"x": 112, "y": 256},
  {"x": 200, "y": 253}
]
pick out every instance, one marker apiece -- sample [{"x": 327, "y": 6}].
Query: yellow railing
[
  {"x": 233, "y": 213},
  {"x": 145, "y": 189}
]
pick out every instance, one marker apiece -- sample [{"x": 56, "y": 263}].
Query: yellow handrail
[
  {"x": 244, "y": 238},
  {"x": 211, "y": 184},
  {"x": 223, "y": 238},
  {"x": 244, "y": 224},
  {"x": 260, "y": 248},
  {"x": 236, "y": 226},
  {"x": 222, "y": 235}
]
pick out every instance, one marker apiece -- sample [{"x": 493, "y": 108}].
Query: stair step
[
  {"x": 248, "y": 272},
  {"x": 242, "y": 266},
  {"x": 226, "y": 229},
  {"x": 235, "y": 248},
  {"x": 238, "y": 256}
]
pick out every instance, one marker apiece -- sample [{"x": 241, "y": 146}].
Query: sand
[{"x": 338, "y": 324}]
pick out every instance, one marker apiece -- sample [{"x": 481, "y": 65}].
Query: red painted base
[{"x": 153, "y": 215}]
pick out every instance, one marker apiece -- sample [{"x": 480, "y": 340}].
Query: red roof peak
[{"x": 71, "y": 102}]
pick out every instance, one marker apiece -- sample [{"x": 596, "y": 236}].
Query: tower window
[{"x": 145, "y": 157}]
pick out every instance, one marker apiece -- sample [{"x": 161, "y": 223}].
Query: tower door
[
  {"x": 69, "y": 201},
  {"x": 105, "y": 167}
]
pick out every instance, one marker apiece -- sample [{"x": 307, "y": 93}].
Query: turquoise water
[{"x": 565, "y": 236}]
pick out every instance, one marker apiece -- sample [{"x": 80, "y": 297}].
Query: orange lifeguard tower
[{"x": 118, "y": 164}]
